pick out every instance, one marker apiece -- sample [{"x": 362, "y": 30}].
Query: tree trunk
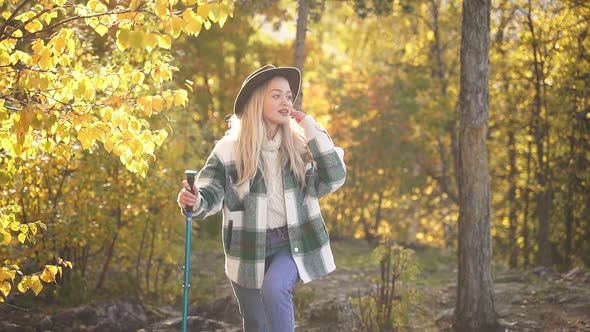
[
  {"x": 150, "y": 258},
  {"x": 299, "y": 60},
  {"x": 569, "y": 199},
  {"x": 140, "y": 254},
  {"x": 378, "y": 213},
  {"x": 543, "y": 209},
  {"x": 513, "y": 204},
  {"x": 475, "y": 305},
  {"x": 110, "y": 250}
]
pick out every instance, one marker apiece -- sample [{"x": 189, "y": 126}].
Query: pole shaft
[{"x": 187, "y": 264}]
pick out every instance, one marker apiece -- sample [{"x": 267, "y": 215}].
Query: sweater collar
[{"x": 273, "y": 144}]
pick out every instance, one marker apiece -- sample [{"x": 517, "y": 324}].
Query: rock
[
  {"x": 445, "y": 315},
  {"x": 222, "y": 309},
  {"x": 45, "y": 324},
  {"x": 518, "y": 299},
  {"x": 573, "y": 273},
  {"x": 546, "y": 272},
  {"x": 11, "y": 327},
  {"x": 509, "y": 278},
  {"x": 113, "y": 316},
  {"x": 194, "y": 323},
  {"x": 331, "y": 315}
]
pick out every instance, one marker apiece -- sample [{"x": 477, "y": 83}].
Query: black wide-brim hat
[{"x": 254, "y": 80}]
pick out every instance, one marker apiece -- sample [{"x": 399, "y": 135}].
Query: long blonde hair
[{"x": 250, "y": 130}]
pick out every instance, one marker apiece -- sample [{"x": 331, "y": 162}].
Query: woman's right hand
[{"x": 185, "y": 197}]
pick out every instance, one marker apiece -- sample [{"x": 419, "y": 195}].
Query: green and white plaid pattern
[{"x": 245, "y": 209}]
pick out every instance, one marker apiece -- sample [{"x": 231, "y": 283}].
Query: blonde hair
[{"x": 250, "y": 130}]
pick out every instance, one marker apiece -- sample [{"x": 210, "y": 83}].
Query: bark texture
[{"x": 475, "y": 305}]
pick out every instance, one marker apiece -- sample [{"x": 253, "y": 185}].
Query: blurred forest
[{"x": 81, "y": 124}]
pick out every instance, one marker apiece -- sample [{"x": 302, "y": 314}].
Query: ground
[{"x": 537, "y": 299}]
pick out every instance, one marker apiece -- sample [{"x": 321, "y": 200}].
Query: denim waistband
[{"x": 276, "y": 237}]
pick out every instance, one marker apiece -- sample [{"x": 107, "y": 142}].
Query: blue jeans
[{"x": 270, "y": 309}]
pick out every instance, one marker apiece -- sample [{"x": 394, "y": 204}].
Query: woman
[{"x": 267, "y": 175}]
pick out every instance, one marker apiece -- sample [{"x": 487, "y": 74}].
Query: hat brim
[{"x": 291, "y": 74}]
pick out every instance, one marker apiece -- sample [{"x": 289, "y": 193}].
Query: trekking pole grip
[{"x": 190, "y": 178}]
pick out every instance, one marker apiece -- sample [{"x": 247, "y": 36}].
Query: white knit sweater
[{"x": 271, "y": 157}]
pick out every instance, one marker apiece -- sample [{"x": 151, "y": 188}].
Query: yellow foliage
[{"x": 60, "y": 94}]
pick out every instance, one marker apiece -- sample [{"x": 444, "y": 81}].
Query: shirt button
[{"x": 296, "y": 249}]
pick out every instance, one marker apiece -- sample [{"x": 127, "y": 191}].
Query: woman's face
[{"x": 278, "y": 102}]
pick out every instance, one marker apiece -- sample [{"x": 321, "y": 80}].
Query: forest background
[{"x": 101, "y": 115}]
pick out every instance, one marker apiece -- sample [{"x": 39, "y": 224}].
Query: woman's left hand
[{"x": 297, "y": 115}]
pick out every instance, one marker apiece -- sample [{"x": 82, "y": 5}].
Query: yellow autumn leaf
[
  {"x": 34, "y": 26},
  {"x": 148, "y": 148},
  {"x": 52, "y": 268},
  {"x": 58, "y": 44},
  {"x": 134, "y": 4},
  {"x": 177, "y": 25},
  {"x": 24, "y": 284},
  {"x": 203, "y": 11},
  {"x": 160, "y": 137},
  {"x": 136, "y": 147},
  {"x": 222, "y": 20},
  {"x": 213, "y": 8},
  {"x": 45, "y": 62},
  {"x": 5, "y": 287},
  {"x": 165, "y": 41},
  {"x": 137, "y": 77},
  {"x": 123, "y": 36},
  {"x": 168, "y": 98},
  {"x": 36, "y": 285},
  {"x": 136, "y": 39},
  {"x": 4, "y": 274},
  {"x": 158, "y": 103},
  {"x": 108, "y": 144},
  {"x": 7, "y": 239},
  {"x": 47, "y": 276},
  {"x": 192, "y": 22},
  {"x": 161, "y": 8},
  {"x": 97, "y": 6},
  {"x": 180, "y": 97},
  {"x": 22, "y": 237},
  {"x": 106, "y": 113},
  {"x": 101, "y": 29},
  {"x": 145, "y": 103},
  {"x": 151, "y": 41},
  {"x": 32, "y": 226},
  {"x": 114, "y": 81},
  {"x": 134, "y": 125},
  {"x": 42, "y": 225}
]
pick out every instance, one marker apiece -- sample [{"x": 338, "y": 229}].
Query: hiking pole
[{"x": 190, "y": 178}]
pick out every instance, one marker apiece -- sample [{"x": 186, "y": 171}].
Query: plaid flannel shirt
[{"x": 245, "y": 208}]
